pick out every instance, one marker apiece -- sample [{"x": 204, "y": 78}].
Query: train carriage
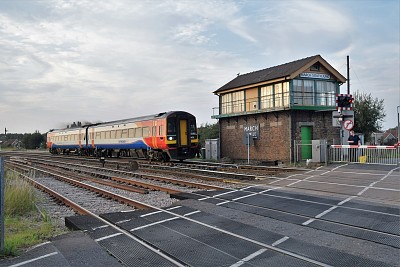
[{"x": 163, "y": 136}]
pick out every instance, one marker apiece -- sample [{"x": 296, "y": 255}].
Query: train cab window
[
  {"x": 171, "y": 127},
  {"x": 146, "y": 132},
  {"x": 193, "y": 129}
]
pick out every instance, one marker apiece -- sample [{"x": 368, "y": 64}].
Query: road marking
[
  {"x": 35, "y": 259},
  {"x": 191, "y": 213},
  {"x": 250, "y": 195},
  {"x": 283, "y": 239},
  {"x": 325, "y": 212},
  {"x": 154, "y": 223},
  {"x": 251, "y": 256},
  {"x": 107, "y": 237},
  {"x": 308, "y": 222}
]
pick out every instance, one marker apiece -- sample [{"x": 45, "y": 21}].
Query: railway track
[
  {"x": 284, "y": 206},
  {"x": 73, "y": 193}
]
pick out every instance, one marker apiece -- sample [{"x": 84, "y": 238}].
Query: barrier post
[{"x": 1, "y": 204}]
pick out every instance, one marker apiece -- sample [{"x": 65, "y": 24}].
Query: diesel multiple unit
[{"x": 163, "y": 136}]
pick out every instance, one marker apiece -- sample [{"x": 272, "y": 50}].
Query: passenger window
[
  {"x": 119, "y": 134},
  {"x": 124, "y": 133},
  {"x": 131, "y": 133},
  {"x": 146, "y": 132},
  {"x": 138, "y": 132}
]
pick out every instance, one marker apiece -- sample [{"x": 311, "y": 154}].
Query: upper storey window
[
  {"x": 232, "y": 102},
  {"x": 314, "y": 93}
]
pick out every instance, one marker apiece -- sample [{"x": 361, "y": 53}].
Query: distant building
[
  {"x": 376, "y": 138},
  {"x": 390, "y": 137},
  {"x": 279, "y": 107}
]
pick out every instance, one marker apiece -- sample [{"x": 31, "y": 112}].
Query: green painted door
[{"x": 306, "y": 137}]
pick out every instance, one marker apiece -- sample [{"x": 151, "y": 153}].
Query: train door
[{"x": 183, "y": 132}]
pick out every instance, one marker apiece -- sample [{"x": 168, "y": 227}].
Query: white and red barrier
[
  {"x": 365, "y": 154},
  {"x": 364, "y": 146}
]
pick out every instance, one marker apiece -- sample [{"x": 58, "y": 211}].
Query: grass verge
[{"x": 24, "y": 224}]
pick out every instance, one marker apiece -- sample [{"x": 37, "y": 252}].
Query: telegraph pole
[
  {"x": 1, "y": 204},
  {"x": 348, "y": 75}
]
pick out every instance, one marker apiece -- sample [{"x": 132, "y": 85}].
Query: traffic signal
[{"x": 344, "y": 102}]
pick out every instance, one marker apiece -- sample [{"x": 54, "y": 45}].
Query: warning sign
[{"x": 348, "y": 124}]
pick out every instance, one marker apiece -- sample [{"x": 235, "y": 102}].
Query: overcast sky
[{"x": 90, "y": 60}]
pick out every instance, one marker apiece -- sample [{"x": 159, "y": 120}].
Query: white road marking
[
  {"x": 107, "y": 237},
  {"x": 35, "y": 259},
  {"x": 251, "y": 256},
  {"x": 283, "y": 239}
]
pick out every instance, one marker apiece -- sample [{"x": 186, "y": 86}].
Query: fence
[{"x": 365, "y": 154}]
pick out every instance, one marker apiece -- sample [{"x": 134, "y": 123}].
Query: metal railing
[{"x": 388, "y": 155}]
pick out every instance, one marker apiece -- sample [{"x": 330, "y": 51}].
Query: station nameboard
[
  {"x": 315, "y": 75},
  {"x": 250, "y": 132}
]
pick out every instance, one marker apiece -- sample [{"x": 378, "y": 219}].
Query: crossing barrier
[{"x": 366, "y": 154}]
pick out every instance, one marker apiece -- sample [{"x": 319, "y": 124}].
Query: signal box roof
[{"x": 288, "y": 70}]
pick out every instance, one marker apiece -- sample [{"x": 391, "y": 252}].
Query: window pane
[
  {"x": 278, "y": 94},
  {"x": 308, "y": 95}
]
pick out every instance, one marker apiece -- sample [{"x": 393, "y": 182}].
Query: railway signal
[{"x": 344, "y": 102}]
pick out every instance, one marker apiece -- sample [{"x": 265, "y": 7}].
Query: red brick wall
[{"x": 277, "y": 132}]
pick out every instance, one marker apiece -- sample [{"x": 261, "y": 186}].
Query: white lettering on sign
[
  {"x": 315, "y": 75},
  {"x": 253, "y": 128}
]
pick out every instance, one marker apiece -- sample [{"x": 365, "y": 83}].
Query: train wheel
[{"x": 165, "y": 157}]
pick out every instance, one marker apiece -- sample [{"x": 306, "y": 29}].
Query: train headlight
[{"x": 171, "y": 138}]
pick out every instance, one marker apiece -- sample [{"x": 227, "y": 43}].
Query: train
[{"x": 164, "y": 136}]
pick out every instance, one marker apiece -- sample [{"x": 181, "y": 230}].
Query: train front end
[{"x": 181, "y": 137}]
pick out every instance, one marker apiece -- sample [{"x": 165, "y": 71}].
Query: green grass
[{"x": 24, "y": 224}]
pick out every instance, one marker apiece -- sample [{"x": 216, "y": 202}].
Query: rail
[{"x": 387, "y": 155}]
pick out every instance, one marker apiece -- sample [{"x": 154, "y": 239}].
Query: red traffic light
[{"x": 344, "y": 101}]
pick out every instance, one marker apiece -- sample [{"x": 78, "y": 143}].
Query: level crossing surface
[{"x": 336, "y": 215}]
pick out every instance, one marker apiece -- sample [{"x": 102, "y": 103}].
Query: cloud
[{"x": 105, "y": 60}]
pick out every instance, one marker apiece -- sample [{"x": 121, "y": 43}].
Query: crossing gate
[{"x": 389, "y": 155}]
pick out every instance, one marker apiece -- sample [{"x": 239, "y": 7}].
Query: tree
[
  {"x": 369, "y": 114},
  {"x": 32, "y": 141},
  {"x": 208, "y": 131}
]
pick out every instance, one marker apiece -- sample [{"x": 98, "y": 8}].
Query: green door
[{"x": 306, "y": 135}]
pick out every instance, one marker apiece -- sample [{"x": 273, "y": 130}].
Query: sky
[{"x": 63, "y": 61}]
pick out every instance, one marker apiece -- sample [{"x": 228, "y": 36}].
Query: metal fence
[{"x": 365, "y": 154}]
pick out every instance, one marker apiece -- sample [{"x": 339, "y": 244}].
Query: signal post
[{"x": 344, "y": 115}]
